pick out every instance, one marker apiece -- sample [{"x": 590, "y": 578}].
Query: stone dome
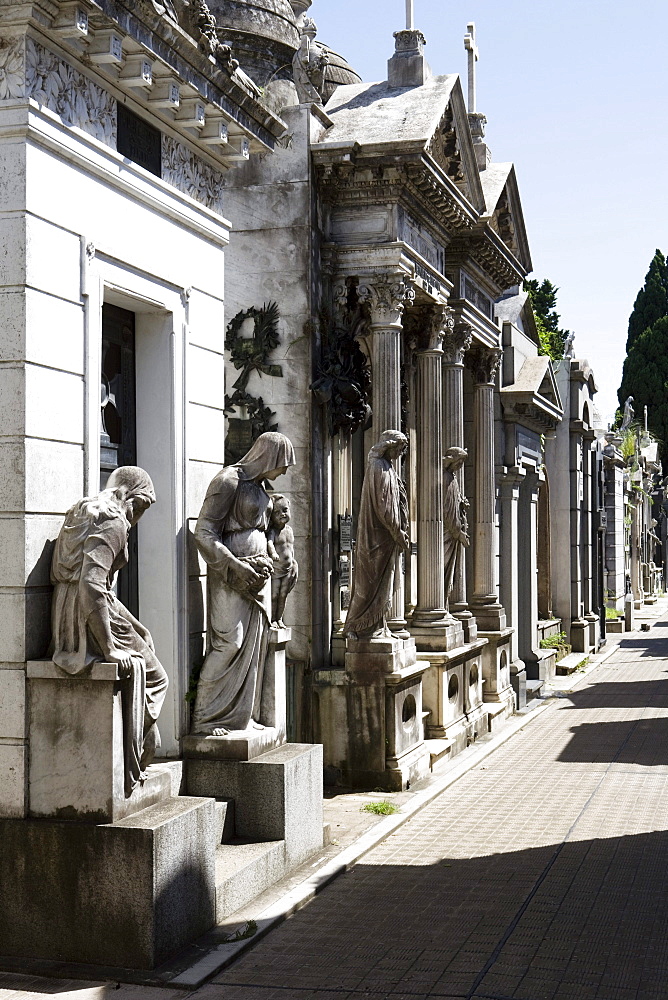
[
  {"x": 263, "y": 35},
  {"x": 338, "y": 72}
]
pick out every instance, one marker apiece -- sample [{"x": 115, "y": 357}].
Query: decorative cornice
[
  {"x": 483, "y": 363},
  {"x": 386, "y": 295},
  {"x": 12, "y": 67}
]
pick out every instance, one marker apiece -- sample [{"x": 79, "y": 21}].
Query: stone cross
[
  {"x": 410, "y": 21},
  {"x": 472, "y": 49}
]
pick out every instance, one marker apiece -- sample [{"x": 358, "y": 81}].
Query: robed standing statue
[{"x": 382, "y": 534}]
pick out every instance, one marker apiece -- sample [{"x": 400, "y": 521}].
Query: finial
[{"x": 472, "y": 49}]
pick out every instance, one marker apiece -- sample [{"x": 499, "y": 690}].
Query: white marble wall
[{"x": 79, "y": 226}]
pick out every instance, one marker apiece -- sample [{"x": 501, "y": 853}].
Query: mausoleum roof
[{"x": 369, "y": 113}]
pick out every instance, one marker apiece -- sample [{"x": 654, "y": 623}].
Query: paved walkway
[{"x": 542, "y": 873}]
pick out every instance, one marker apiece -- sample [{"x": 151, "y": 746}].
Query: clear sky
[{"x": 576, "y": 95}]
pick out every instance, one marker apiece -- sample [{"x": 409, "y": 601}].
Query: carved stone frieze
[
  {"x": 484, "y": 363},
  {"x": 444, "y": 148},
  {"x": 51, "y": 81},
  {"x": 456, "y": 342},
  {"x": 12, "y": 67},
  {"x": 387, "y": 295},
  {"x": 191, "y": 175}
]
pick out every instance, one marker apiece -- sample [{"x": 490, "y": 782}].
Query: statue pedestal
[
  {"x": 453, "y": 692},
  {"x": 276, "y": 787},
  {"x": 75, "y": 726},
  {"x": 385, "y": 731},
  {"x": 92, "y": 876}
]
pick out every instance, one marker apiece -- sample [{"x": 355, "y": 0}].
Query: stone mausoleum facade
[{"x": 213, "y": 228}]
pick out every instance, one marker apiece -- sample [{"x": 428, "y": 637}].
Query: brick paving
[{"x": 542, "y": 874}]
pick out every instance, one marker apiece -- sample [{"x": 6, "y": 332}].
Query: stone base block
[
  {"x": 518, "y": 681},
  {"x": 243, "y": 871},
  {"x": 235, "y": 746},
  {"x": 614, "y": 627},
  {"x": 446, "y": 636},
  {"x": 127, "y": 894},
  {"x": 403, "y": 771},
  {"x": 277, "y": 795},
  {"x": 497, "y": 672},
  {"x": 544, "y": 667},
  {"x": 77, "y": 769}
]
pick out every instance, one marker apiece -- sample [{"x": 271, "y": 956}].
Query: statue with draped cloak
[
  {"x": 231, "y": 535},
  {"x": 90, "y": 624},
  {"x": 454, "y": 516},
  {"x": 382, "y": 534}
]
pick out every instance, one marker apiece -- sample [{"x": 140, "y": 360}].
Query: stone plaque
[
  {"x": 239, "y": 439},
  {"x": 139, "y": 141},
  {"x": 345, "y": 533},
  {"x": 344, "y": 571}
]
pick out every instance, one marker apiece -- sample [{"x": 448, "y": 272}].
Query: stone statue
[
  {"x": 569, "y": 349},
  {"x": 382, "y": 533},
  {"x": 309, "y": 65},
  {"x": 90, "y": 623},
  {"x": 231, "y": 534},
  {"x": 629, "y": 414},
  {"x": 281, "y": 549},
  {"x": 454, "y": 516}
]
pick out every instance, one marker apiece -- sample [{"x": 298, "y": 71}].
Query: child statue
[{"x": 281, "y": 549}]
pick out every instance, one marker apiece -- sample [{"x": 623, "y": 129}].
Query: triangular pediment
[
  {"x": 451, "y": 148},
  {"x": 503, "y": 210}
]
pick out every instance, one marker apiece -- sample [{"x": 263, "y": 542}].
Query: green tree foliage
[
  {"x": 645, "y": 377},
  {"x": 543, "y": 296},
  {"x": 651, "y": 302}
]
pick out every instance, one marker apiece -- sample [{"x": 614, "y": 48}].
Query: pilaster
[
  {"x": 456, "y": 342},
  {"x": 386, "y": 295},
  {"x": 484, "y": 363}
]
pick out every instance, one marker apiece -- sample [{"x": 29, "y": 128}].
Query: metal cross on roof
[
  {"x": 472, "y": 49},
  {"x": 410, "y": 20}
]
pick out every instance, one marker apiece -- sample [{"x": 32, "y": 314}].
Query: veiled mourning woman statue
[
  {"x": 90, "y": 623},
  {"x": 454, "y": 515},
  {"x": 382, "y": 533},
  {"x": 231, "y": 534}
]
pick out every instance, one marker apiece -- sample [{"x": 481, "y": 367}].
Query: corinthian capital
[
  {"x": 387, "y": 296},
  {"x": 484, "y": 363},
  {"x": 456, "y": 342}
]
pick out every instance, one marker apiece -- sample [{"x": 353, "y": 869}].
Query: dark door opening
[{"x": 118, "y": 424}]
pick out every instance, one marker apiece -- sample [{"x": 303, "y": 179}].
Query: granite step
[
  {"x": 224, "y": 821},
  {"x": 438, "y": 748},
  {"x": 244, "y": 870},
  {"x": 569, "y": 664},
  {"x": 534, "y": 688}
]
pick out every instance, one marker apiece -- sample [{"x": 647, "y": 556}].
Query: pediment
[
  {"x": 503, "y": 210},
  {"x": 451, "y": 148},
  {"x": 533, "y": 398}
]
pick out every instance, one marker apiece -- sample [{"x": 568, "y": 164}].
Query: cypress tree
[
  {"x": 652, "y": 300},
  {"x": 543, "y": 297},
  {"x": 645, "y": 377}
]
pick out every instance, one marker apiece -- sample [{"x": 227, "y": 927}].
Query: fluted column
[
  {"x": 430, "y": 609},
  {"x": 456, "y": 342},
  {"x": 387, "y": 295},
  {"x": 484, "y": 363}
]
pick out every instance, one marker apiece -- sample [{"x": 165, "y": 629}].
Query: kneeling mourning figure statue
[
  {"x": 382, "y": 536},
  {"x": 89, "y": 622},
  {"x": 243, "y": 536}
]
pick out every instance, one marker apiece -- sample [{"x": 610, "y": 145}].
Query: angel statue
[{"x": 309, "y": 65}]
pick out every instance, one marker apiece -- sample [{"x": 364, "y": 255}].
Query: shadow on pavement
[{"x": 584, "y": 919}]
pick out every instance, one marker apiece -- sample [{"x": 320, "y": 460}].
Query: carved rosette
[
  {"x": 387, "y": 295},
  {"x": 484, "y": 363},
  {"x": 457, "y": 341}
]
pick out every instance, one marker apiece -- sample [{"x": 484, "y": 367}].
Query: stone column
[
  {"x": 387, "y": 295},
  {"x": 490, "y": 615},
  {"x": 430, "y": 611},
  {"x": 456, "y": 341}
]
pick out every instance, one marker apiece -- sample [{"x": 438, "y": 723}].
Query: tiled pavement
[{"x": 542, "y": 874}]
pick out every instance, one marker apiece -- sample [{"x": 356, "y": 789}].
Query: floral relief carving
[
  {"x": 12, "y": 67},
  {"x": 72, "y": 96},
  {"x": 191, "y": 175}
]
